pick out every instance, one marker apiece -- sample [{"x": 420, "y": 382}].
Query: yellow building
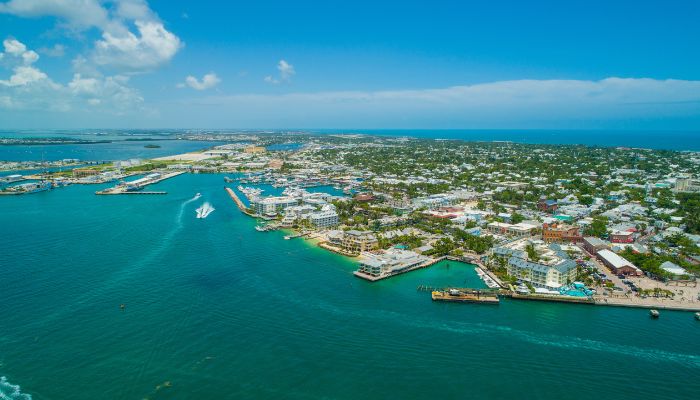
[
  {"x": 254, "y": 149},
  {"x": 358, "y": 241}
]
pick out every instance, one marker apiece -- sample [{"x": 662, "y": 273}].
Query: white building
[
  {"x": 272, "y": 205},
  {"x": 324, "y": 219}
]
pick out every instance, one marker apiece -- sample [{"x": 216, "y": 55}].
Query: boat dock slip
[
  {"x": 135, "y": 187},
  {"x": 466, "y": 295}
]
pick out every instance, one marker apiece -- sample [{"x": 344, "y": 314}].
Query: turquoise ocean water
[
  {"x": 216, "y": 310},
  {"x": 117, "y": 150}
]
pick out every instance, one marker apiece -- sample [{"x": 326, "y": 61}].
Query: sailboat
[{"x": 205, "y": 210}]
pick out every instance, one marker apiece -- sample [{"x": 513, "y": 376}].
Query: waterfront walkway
[{"x": 649, "y": 302}]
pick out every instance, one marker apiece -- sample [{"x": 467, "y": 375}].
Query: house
[
  {"x": 548, "y": 206},
  {"x": 364, "y": 197},
  {"x": 622, "y": 237},
  {"x": 618, "y": 264}
]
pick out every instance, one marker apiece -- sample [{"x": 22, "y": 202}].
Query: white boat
[
  {"x": 205, "y": 210},
  {"x": 198, "y": 195}
]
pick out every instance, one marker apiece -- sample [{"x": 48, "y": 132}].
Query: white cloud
[
  {"x": 29, "y": 88},
  {"x": 119, "y": 47},
  {"x": 286, "y": 71},
  {"x": 24, "y": 75},
  {"x": 14, "y": 47},
  {"x": 22, "y": 59},
  {"x": 153, "y": 46},
  {"x": 80, "y": 14},
  {"x": 519, "y": 103},
  {"x": 208, "y": 81},
  {"x": 58, "y": 50}
]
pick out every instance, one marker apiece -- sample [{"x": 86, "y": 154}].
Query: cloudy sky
[{"x": 340, "y": 64}]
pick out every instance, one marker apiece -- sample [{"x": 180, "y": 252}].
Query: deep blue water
[
  {"x": 215, "y": 309},
  {"x": 666, "y": 140},
  {"x": 117, "y": 150}
]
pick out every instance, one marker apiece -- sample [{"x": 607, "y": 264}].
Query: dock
[
  {"x": 141, "y": 192},
  {"x": 373, "y": 278},
  {"x": 136, "y": 186},
  {"x": 466, "y": 295},
  {"x": 552, "y": 298}
]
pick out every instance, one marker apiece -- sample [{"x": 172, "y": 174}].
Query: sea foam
[{"x": 9, "y": 391}]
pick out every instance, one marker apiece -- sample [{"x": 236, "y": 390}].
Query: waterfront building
[
  {"x": 335, "y": 237},
  {"x": 560, "y": 233},
  {"x": 552, "y": 270},
  {"x": 141, "y": 182},
  {"x": 356, "y": 241},
  {"x": 324, "y": 219},
  {"x": 272, "y": 205},
  {"x": 618, "y": 264},
  {"x": 11, "y": 178},
  {"x": 390, "y": 262}
]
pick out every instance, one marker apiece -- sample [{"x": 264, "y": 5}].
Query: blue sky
[{"x": 359, "y": 64}]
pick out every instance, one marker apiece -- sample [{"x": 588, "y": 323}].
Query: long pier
[
  {"x": 238, "y": 202},
  {"x": 121, "y": 189}
]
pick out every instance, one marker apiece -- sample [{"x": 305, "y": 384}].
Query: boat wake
[
  {"x": 12, "y": 392},
  {"x": 205, "y": 210},
  {"x": 540, "y": 339}
]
